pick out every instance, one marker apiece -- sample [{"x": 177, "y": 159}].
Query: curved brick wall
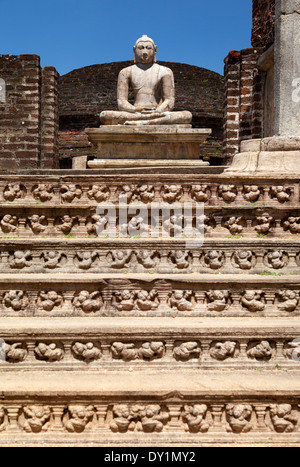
[{"x": 85, "y": 92}]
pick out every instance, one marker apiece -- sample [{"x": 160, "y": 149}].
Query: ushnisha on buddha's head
[{"x": 145, "y": 51}]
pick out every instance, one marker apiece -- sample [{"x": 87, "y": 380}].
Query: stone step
[
  {"x": 133, "y": 295},
  {"x": 139, "y": 344},
  {"x": 163, "y": 256},
  {"x": 149, "y": 408}
]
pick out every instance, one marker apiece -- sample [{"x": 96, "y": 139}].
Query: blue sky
[{"x": 70, "y": 34}]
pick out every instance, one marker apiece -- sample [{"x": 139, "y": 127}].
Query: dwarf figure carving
[
  {"x": 99, "y": 193},
  {"x": 43, "y": 192},
  {"x": 20, "y": 259},
  {"x": 70, "y": 192},
  {"x": 50, "y": 300},
  {"x": 13, "y": 192},
  {"x": 88, "y": 302},
  {"x": 49, "y": 352},
  {"x": 251, "y": 193},
  {"x": 284, "y": 418},
  {"x": 187, "y": 350},
  {"x": 80, "y": 417},
  {"x": 9, "y": 223},
  {"x": 37, "y": 418},
  {"x": 239, "y": 418},
  {"x": 260, "y": 350},
  {"x": 252, "y": 299},
  {"x": 194, "y": 418},
  {"x": 228, "y": 193},
  {"x": 218, "y": 300},
  {"x": 223, "y": 350},
  {"x": 181, "y": 300},
  {"x": 87, "y": 351}
]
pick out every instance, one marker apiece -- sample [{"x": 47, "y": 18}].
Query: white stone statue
[{"x": 154, "y": 92}]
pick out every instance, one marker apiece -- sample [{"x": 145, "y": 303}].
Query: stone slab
[
  {"x": 147, "y": 142},
  {"x": 268, "y": 156},
  {"x": 144, "y": 163},
  {"x": 137, "y": 326},
  {"x": 149, "y": 384}
]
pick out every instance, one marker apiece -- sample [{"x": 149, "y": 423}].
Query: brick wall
[
  {"x": 28, "y": 114},
  {"x": 243, "y": 106},
  {"x": 244, "y": 81}
]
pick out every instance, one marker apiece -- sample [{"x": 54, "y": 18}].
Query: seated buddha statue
[{"x": 153, "y": 88}]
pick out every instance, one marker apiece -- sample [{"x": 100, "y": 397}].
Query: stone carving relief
[
  {"x": 88, "y": 302},
  {"x": 66, "y": 223},
  {"x": 15, "y": 352},
  {"x": 276, "y": 259},
  {"x": 49, "y": 300},
  {"x": 217, "y": 300},
  {"x": 9, "y": 223},
  {"x": 87, "y": 352},
  {"x": 181, "y": 300},
  {"x": 214, "y": 259},
  {"x": 17, "y": 300},
  {"x": 181, "y": 258},
  {"x": 2, "y": 419},
  {"x": 37, "y": 418},
  {"x": 292, "y": 224},
  {"x": 172, "y": 225},
  {"x": 98, "y": 193},
  {"x": 13, "y": 192},
  {"x": 235, "y": 225},
  {"x": 120, "y": 258},
  {"x": 193, "y": 416},
  {"x": 124, "y": 300},
  {"x": 70, "y": 192},
  {"x": 49, "y": 352},
  {"x": 288, "y": 300},
  {"x": 96, "y": 225},
  {"x": 172, "y": 193},
  {"x": 262, "y": 350},
  {"x": 146, "y": 301},
  {"x": 200, "y": 193},
  {"x": 187, "y": 350},
  {"x": 149, "y": 259},
  {"x": 239, "y": 418},
  {"x": 20, "y": 259},
  {"x": 145, "y": 351},
  {"x": 263, "y": 224},
  {"x": 43, "y": 192},
  {"x": 38, "y": 224},
  {"x": 292, "y": 350},
  {"x": 223, "y": 350},
  {"x": 251, "y": 193},
  {"x": 146, "y": 418},
  {"x": 284, "y": 418},
  {"x": 243, "y": 259},
  {"x": 253, "y": 300},
  {"x": 281, "y": 193},
  {"x": 85, "y": 259},
  {"x": 53, "y": 259},
  {"x": 227, "y": 192},
  {"x": 79, "y": 418}
]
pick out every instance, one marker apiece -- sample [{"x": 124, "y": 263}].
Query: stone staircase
[{"x": 144, "y": 341}]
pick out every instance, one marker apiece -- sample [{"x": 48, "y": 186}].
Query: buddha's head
[{"x": 145, "y": 51}]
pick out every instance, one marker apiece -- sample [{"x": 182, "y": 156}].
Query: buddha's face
[{"x": 144, "y": 52}]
